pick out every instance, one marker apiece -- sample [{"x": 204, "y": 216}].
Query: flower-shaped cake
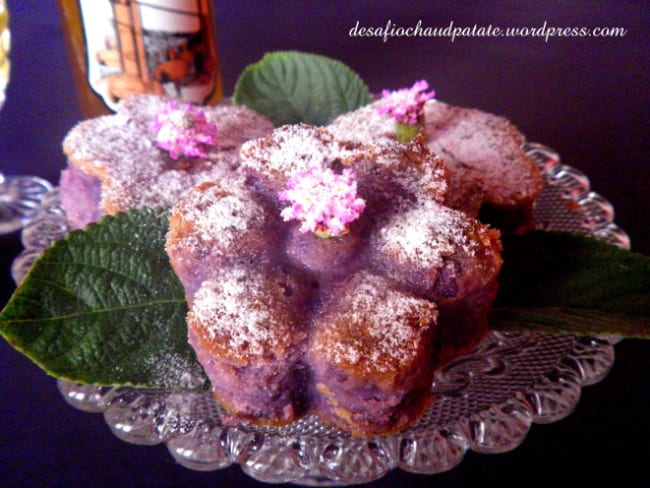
[
  {"x": 482, "y": 153},
  {"x": 151, "y": 152},
  {"x": 349, "y": 327}
]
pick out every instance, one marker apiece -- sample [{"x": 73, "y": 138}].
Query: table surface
[{"x": 586, "y": 97}]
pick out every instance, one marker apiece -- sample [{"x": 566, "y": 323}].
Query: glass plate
[
  {"x": 485, "y": 401},
  {"x": 20, "y": 200}
]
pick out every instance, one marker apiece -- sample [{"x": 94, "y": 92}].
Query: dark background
[{"x": 588, "y": 98}]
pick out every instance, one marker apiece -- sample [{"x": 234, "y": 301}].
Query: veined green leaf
[
  {"x": 103, "y": 306},
  {"x": 562, "y": 282},
  {"x": 290, "y": 87}
]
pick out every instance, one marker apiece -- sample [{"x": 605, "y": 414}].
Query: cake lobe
[
  {"x": 374, "y": 329},
  {"x": 120, "y": 151},
  {"x": 482, "y": 153}
]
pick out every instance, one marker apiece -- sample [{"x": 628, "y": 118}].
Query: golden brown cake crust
[
  {"x": 482, "y": 152},
  {"x": 486, "y": 150},
  {"x": 120, "y": 151},
  {"x": 222, "y": 216},
  {"x": 366, "y": 335},
  {"x": 243, "y": 315},
  {"x": 374, "y": 332}
]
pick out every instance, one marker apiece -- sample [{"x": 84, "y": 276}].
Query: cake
[
  {"x": 346, "y": 321},
  {"x": 328, "y": 271},
  {"x": 254, "y": 357},
  {"x": 490, "y": 176},
  {"x": 370, "y": 352},
  {"x": 114, "y": 162}
]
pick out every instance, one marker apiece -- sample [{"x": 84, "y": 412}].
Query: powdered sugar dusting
[
  {"x": 237, "y": 311},
  {"x": 222, "y": 212},
  {"x": 364, "y": 124},
  {"x": 424, "y": 235},
  {"x": 384, "y": 328},
  {"x": 164, "y": 188},
  {"x": 415, "y": 168},
  {"x": 120, "y": 150},
  {"x": 481, "y": 150},
  {"x": 294, "y": 148}
]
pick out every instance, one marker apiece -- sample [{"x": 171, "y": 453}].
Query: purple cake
[
  {"x": 371, "y": 356},
  {"x": 247, "y": 330},
  {"x": 115, "y": 163},
  {"x": 347, "y": 326},
  {"x": 482, "y": 153}
]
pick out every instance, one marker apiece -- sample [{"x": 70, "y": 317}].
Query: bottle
[
  {"x": 122, "y": 47},
  {"x": 5, "y": 46}
]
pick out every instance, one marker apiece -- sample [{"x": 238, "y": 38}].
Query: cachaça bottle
[{"x": 122, "y": 47}]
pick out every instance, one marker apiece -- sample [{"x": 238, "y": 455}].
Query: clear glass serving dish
[{"x": 485, "y": 402}]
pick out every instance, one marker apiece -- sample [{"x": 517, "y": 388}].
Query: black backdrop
[{"x": 586, "y": 97}]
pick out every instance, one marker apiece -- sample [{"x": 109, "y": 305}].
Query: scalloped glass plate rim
[{"x": 309, "y": 453}]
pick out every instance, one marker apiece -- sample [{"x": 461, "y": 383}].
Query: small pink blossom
[
  {"x": 325, "y": 202},
  {"x": 183, "y": 130},
  {"x": 407, "y": 104}
]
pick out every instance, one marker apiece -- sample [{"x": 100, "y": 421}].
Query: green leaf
[
  {"x": 290, "y": 87},
  {"x": 562, "y": 282},
  {"x": 574, "y": 321},
  {"x": 103, "y": 306}
]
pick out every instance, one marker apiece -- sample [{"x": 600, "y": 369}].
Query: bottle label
[{"x": 165, "y": 47}]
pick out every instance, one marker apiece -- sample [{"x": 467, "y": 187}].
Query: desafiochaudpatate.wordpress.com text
[{"x": 451, "y": 31}]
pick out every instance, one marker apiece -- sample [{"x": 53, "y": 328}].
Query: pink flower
[
  {"x": 183, "y": 130},
  {"x": 407, "y": 104},
  {"x": 325, "y": 202}
]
